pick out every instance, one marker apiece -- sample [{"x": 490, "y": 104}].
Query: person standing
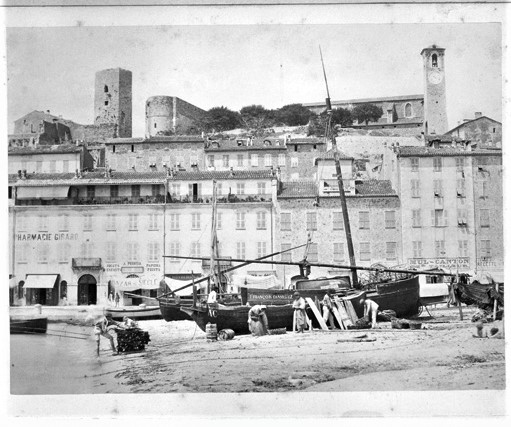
[
  {"x": 211, "y": 302},
  {"x": 370, "y": 310},
  {"x": 258, "y": 321},
  {"x": 328, "y": 306},
  {"x": 300, "y": 315},
  {"x": 111, "y": 298},
  {"x": 117, "y": 299}
]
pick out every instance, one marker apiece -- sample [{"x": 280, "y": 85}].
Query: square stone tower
[
  {"x": 113, "y": 100},
  {"x": 435, "y": 110}
]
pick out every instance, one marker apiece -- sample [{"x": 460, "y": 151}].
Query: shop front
[{"x": 41, "y": 289}]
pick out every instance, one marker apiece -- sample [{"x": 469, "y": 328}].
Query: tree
[
  {"x": 293, "y": 115},
  {"x": 256, "y": 117},
  {"x": 219, "y": 119},
  {"x": 367, "y": 113},
  {"x": 318, "y": 123}
]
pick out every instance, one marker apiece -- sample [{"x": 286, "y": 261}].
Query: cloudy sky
[{"x": 53, "y": 68}]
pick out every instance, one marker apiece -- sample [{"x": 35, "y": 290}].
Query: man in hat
[
  {"x": 257, "y": 320},
  {"x": 328, "y": 306},
  {"x": 300, "y": 315},
  {"x": 103, "y": 327}
]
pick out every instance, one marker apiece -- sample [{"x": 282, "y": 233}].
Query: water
[{"x": 57, "y": 363}]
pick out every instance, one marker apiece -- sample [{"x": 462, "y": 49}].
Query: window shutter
[
  {"x": 433, "y": 217},
  {"x": 445, "y": 218}
]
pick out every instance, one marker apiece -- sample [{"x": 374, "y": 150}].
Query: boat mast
[
  {"x": 214, "y": 269},
  {"x": 330, "y": 133}
]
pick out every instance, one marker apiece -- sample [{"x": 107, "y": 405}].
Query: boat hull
[
  {"x": 135, "y": 312},
  {"x": 37, "y": 325},
  {"x": 171, "y": 310}
]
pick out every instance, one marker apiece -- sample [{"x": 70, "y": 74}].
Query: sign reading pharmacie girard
[{"x": 129, "y": 276}]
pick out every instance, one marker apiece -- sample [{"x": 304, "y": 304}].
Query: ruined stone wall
[{"x": 95, "y": 133}]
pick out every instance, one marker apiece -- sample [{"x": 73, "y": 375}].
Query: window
[
  {"x": 485, "y": 249},
  {"x": 240, "y": 220},
  {"x": 365, "y": 251},
  {"x": 261, "y": 188},
  {"x": 111, "y": 251},
  {"x": 267, "y": 160},
  {"x": 261, "y": 249},
  {"x": 462, "y": 217},
  {"x": 87, "y": 250},
  {"x": 194, "y": 159},
  {"x": 253, "y": 160},
  {"x": 364, "y": 220},
  {"x": 462, "y": 248},
  {"x": 313, "y": 252},
  {"x": 133, "y": 222},
  {"x": 282, "y": 160},
  {"x": 132, "y": 148},
  {"x": 294, "y": 162},
  {"x": 417, "y": 249},
  {"x": 39, "y": 166},
  {"x": 460, "y": 163},
  {"x": 133, "y": 250},
  {"x": 390, "y": 219},
  {"x": 261, "y": 220},
  {"x": 175, "y": 250},
  {"x": 339, "y": 252},
  {"x": 460, "y": 188},
  {"x": 416, "y": 218},
  {"x": 64, "y": 222},
  {"x": 21, "y": 222},
  {"x": 110, "y": 221},
  {"x": 240, "y": 160},
  {"x": 260, "y": 160},
  {"x": 439, "y": 217},
  {"x": 414, "y": 163},
  {"x": 219, "y": 220},
  {"x": 211, "y": 161},
  {"x": 175, "y": 189},
  {"x": 65, "y": 166},
  {"x": 408, "y": 110},
  {"x": 63, "y": 289},
  {"x": 434, "y": 60},
  {"x": 42, "y": 253},
  {"x": 240, "y": 250},
  {"x": 437, "y": 187},
  {"x": 225, "y": 160},
  {"x": 312, "y": 221},
  {"x": 91, "y": 191},
  {"x": 135, "y": 191},
  {"x": 174, "y": 221},
  {"x": 484, "y": 218},
  {"x": 195, "y": 249},
  {"x": 440, "y": 248},
  {"x": 338, "y": 221},
  {"x": 285, "y": 221},
  {"x": 484, "y": 189},
  {"x": 415, "y": 187},
  {"x": 114, "y": 191},
  {"x": 240, "y": 188},
  {"x": 87, "y": 222},
  {"x": 390, "y": 251},
  {"x": 105, "y": 89},
  {"x": 286, "y": 256},
  {"x": 155, "y": 190},
  {"x": 22, "y": 253},
  {"x": 437, "y": 164},
  {"x": 219, "y": 188},
  {"x": 153, "y": 221},
  {"x": 53, "y": 166},
  {"x": 195, "y": 221}
]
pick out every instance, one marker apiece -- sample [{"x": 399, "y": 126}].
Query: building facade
[{"x": 481, "y": 130}]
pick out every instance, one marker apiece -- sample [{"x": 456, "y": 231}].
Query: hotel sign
[{"x": 445, "y": 263}]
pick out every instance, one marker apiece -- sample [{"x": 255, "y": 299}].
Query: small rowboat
[
  {"x": 140, "y": 312},
  {"x": 26, "y": 325}
]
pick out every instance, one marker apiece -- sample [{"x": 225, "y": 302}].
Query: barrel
[
  {"x": 211, "y": 333},
  {"x": 226, "y": 334}
]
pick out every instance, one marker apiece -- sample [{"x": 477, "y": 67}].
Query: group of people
[
  {"x": 105, "y": 326},
  {"x": 258, "y": 320},
  {"x": 114, "y": 299}
]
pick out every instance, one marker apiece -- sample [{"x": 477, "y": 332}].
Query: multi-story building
[{"x": 481, "y": 130}]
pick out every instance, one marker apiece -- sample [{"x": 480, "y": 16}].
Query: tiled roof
[
  {"x": 299, "y": 189},
  {"x": 368, "y": 100},
  {"x": 383, "y": 122},
  {"x": 374, "y": 187},
  {"x": 329, "y": 155},
  {"x": 472, "y": 121},
  {"x": 306, "y": 141},
  {"x": 233, "y": 145},
  {"x": 45, "y": 149},
  {"x": 178, "y": 138},
  {"x": 413, "y": 151},
  {"x": 210, "y": 175}
]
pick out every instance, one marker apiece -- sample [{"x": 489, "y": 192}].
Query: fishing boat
[
  {"x": 170, "y": 307},
  {"x": 140, "y": 312},
  {"x": 28, "y": 325}
]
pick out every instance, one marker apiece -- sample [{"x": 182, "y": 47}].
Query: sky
[{"x": 53, "y": 68}]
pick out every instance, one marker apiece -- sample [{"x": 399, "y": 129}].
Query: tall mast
[
  {"x": 329, "y": 133},
  {"x": 213, "y": 270}
]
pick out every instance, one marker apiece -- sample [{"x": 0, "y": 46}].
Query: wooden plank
[
  {"x": 351, "y": 310},
  {"x": 317, "y": 314},
  {"x": 342, "y": 312},
  {"x": 337, "y": 316}
]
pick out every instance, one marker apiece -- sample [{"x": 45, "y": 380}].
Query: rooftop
[
  {"x": 368, "y": 100},
  {"x": 299, "y": 189},
  {"x": 468, "y": 122},
  {"x": 159, "y": 139},
  {"x": 329, "y": 155},
  {"x": 244, "y": 144},
  {"x": 414, "y": 151},
  {"x": 374, "y": 187},
  {"x": 45, "y": 149}
]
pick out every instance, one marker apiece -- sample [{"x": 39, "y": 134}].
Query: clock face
[{"x": 435, "y": 77}]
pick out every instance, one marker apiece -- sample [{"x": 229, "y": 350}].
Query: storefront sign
[
  {"x": 33, "y": 237},
  {"x": 445, "y": 263},
  {"x": 484, "y": 262}
]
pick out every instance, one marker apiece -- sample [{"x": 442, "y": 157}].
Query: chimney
[
  {"x": 24, "y": 174},
  {"x": 478, "y": 114}
]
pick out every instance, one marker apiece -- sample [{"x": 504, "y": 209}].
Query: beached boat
[
  {"x": 140, "y": 312},
  {"x": 171, "y": 308},
  {"x": 28, "y": 325}
]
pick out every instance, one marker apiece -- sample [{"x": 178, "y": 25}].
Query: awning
[
  {"x": 40, "y": 281},
  {"x": 54, "y": 192}
]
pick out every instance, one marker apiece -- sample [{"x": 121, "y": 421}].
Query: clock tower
[{"x": 435, "y": 111}]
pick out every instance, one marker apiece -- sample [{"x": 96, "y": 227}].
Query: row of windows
[
  {"x": 339, "y": 254},
  {"x": 484, "y": 248},
  {"x": 175, "y": 189},
  {"x": 439, "y": 218},
  {"x": 337, "y": 220},
  {"x": 438, "y": 190},
  {"x": 52, "y": 166},
  {"x": 438, "y": 163}
]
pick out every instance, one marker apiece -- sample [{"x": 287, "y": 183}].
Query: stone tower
[
  {"x": 113, "y": 100},
  {"x": 435, "y": 111}
]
